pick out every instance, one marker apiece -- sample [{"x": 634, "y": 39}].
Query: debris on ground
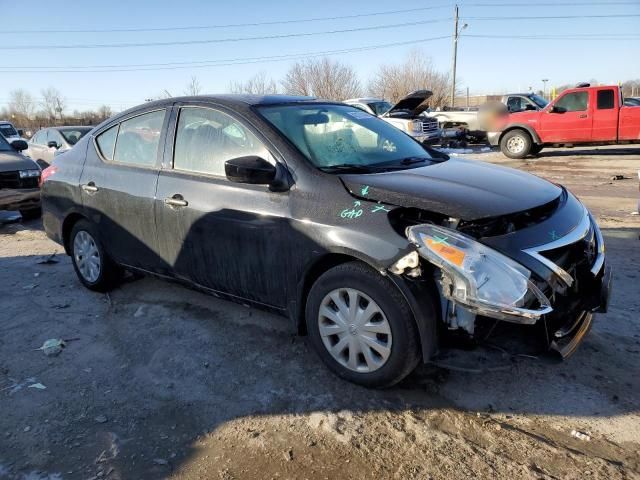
[
  {"x": 580, "y": 435},
  {"x": 52, "y": 347},
  {"x": 39, "y": 386},
  {"x": 50, "y": 260},
  {"x": 618, "y": 177},
  {"x": 160, "y": 461}
]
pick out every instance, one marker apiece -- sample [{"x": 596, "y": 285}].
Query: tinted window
[
  {"x": 72, "y": 135},
  {"x": 605, "y": 99},
  {"x": 7, "y": 130},
  {"x": 514, "y": 104},
  {"x": 107, "y": 141},
  {"x": 4, "y": 145},
  {"x": 574, "y": 102},
  {"x": 207, "y": 138},
  {"x": 138, "y": 139}
]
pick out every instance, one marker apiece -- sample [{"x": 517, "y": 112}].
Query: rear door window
[
  {"x": 139, "y": 138},
  {"x": 207, "y": 138},
  {"x": 605, "y": 99},
  {"x": 574, "y": 102}
]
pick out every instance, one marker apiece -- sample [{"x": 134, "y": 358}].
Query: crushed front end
[{"x": 544, "y": 269}]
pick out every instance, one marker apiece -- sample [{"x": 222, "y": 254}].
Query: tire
[
  {"x": 355, "y": 280},
  {"x": 516, "y": 143},
  {"x": 85, "y": 244},
  {"x": 31, "y": 214},
  {"x": 536, "y": 149}
]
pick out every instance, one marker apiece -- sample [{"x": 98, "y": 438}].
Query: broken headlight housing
[{"x": 478, "y": 277}]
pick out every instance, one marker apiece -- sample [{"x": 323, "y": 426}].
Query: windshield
[
  {"x": 7, "y": 130},
  {"x": 72, "y": 135},
  {"x": 343, "y": 136},
  {"x": 380, "y": 107},
  {"x": 4, "y": 145},
  {"x": 538, "y": 100}
]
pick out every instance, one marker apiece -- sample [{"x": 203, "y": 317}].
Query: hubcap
[
  {"x": 515, "y": 144},
  {"x": 354, "y": 330},
  {"x": 87, "y": 256}
]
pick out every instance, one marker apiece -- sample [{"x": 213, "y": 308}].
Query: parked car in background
[
  {"x": 405, "y": 115},
  {"x": 9, "y": 132},
  {"x": 19, "y": 177},
  {"x": 632, "y": 102},
  {"x": 374, "y": 245},
  {"x": 52, "y": 141},
  {"x": 579, "y": 116}
]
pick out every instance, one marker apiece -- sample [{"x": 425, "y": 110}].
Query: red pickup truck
[{"x": 581, "y": 115}]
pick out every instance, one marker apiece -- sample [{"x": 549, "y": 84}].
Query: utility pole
[
  {"x": 456, "y": 35},
  {"x": 544, "y": 87}
]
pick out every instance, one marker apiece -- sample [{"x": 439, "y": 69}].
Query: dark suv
[
  {"x": 19, "y": 178},
  {"x": 373, "y": 244}
]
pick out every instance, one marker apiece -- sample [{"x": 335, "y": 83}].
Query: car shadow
[{"x": 588, "y": 151}]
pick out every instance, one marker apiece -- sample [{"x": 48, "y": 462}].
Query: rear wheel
[
  {"x": 361, "y": 326},
  {"x": 93, "y": 266},
  {"x": 516, "y": 144}
]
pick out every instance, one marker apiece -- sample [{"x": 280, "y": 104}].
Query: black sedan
[{"x": 375, "y": 246}]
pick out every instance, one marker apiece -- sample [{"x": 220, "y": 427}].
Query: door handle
[
  {"x": 584, "y": 115},
  {"x": 176, "y": 201},
  {"x": 90, "y": 187}
]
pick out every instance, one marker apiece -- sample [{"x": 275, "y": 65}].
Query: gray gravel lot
[{"x": 158, "y": 381}]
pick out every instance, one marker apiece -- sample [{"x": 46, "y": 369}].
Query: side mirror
[
  {"x": 20, "y": 132},
  {"x": 53, "y": 144},
  {"x": 19, "y": 145},
  {"x": 530, "y": 107},
  {"x": 556, "y": 109},
  {"x": 252, "y": 169}
]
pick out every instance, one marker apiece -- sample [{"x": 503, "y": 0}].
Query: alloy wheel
[
  {"x": 354, "y": 330},
  {"x": 86, "y": 256}
]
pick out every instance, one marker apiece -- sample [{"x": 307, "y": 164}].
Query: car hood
[
  {"x": 12, "y": 161},
  {"x": 411, "y": 102},
  {"x": 464, "y": 189}
]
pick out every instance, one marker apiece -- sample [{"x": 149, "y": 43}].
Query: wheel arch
[
  {"x": 521, "y": 126},
  {"x": 67, "y": 226},
  {"x": 422, "y": 307}
]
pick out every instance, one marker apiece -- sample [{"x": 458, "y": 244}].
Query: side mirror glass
[
  {"x": 252, "y": 169},
  {"x": 19, "y": 145},
  {"x": 53, "y": 144}
]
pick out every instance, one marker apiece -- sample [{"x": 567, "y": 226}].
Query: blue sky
[{"x": 485, "y": 65}]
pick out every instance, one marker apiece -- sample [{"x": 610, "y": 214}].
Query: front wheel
[
  {"x": 361, "y": 326},
  {"x": 516, "y": 144},
  {"x": 92, "y": 264}
]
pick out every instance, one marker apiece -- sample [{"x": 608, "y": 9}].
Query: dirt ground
[{"x": 158, "y": 381}]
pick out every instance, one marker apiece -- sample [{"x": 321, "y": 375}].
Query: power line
[
  {"x": 229, "y": 25},
  {"x": 226, "y": 62},
  {"x": 588, "y": 36},
  {"x": 221, "y": 40},
  {"x": 553, "y": 17}
]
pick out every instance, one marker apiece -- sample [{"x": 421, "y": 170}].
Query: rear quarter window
[
  {"x": 605, "y": 99},
  {"x": 107, "y": 141}
]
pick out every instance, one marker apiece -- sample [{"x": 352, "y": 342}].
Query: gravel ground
[{"x": 158, "y": 381}]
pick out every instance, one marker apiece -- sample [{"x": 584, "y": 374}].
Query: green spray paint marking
[
  {"x": 352, "y": 212},
  {"x": 553, "y": 235},
  {"x": 438, "y": 240},
  {"x": 380, "y": 208},
  {"x": 365, "y": 190}
]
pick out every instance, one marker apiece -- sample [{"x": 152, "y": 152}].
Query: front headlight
[
  {"x": 29, "y": 173},
  {"x": 478, "y": 277}
]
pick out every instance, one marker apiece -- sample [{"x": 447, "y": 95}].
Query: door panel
[
  {"x": 120, "y": 198},
  {"x": 605, "y": 116},
  {"x": 573, "y": 125},
  {"x": 222, "y": 235}
]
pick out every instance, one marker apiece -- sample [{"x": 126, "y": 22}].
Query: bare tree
[
  {"x": 259, "y": 84},
  {"x": 104, "y": 112},
  {"x": 193, "y": 88},
  {"x": 393, "y": 82},
  {"x": 323, "y": 78},
  {"x": 53, "y": 103},
  {"x": 21, "y": 103}
]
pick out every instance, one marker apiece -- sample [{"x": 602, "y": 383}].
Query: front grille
[
  {"x": 13, "y": 180},
  {"x": 429, "y": 126}
]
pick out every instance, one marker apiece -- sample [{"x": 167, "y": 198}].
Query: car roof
[
  {"x": 365, "y": 99},
  {"x": 231, "y": 99}
]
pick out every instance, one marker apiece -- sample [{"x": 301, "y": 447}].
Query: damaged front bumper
[{"x": 19, "y": 199}]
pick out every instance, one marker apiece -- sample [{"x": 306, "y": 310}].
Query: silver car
[{"x": 49, "y": 142}]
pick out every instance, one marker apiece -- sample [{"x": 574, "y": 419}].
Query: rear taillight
[{"x": 46, "y": 173}]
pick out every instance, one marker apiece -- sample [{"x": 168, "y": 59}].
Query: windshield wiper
[{"x": 348, "y": 167}]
